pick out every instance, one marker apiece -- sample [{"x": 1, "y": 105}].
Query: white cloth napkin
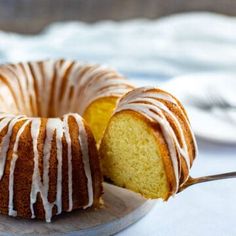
[{"x": 152, "y": 49}]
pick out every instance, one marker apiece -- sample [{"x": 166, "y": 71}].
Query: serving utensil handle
[{"x": 191, "y": 181}]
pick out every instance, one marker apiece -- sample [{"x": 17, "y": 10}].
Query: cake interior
[
  {"x": 98, "y": 114},
  {"x": 131, "y": 156}
]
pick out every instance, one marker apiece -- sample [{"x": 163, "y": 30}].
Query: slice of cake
[{"x": 148, "y": 146}]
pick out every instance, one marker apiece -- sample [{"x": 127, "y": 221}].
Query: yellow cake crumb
[
  {"x": 98, "y": 115},
  {"x": 131, "y": 157}
]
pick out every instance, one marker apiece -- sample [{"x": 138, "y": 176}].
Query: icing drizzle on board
[{"x": 154, "y": 103}]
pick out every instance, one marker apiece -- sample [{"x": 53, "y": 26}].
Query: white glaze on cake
[
  {"x": 54, "y": 125},
  {"x": 12, "y": 212},
  {"x": 34, "y": 88},
  {"x": 51, "y": 88},
  {"x": 85, "y": 153},
  {"x": 149, "y": 102}
]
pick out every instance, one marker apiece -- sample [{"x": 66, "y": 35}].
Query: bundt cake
[
  {"x": 50, "y": 164},
  {"x": 49, "y": 161},
  {"x": 53, "y": 88},
  {"x": 148, "y": 145}
]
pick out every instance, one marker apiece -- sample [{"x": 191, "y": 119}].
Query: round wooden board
[{"x": 122, "y": 208}]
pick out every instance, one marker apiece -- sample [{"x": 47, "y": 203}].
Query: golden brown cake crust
[{"x": 25, "y": 165}]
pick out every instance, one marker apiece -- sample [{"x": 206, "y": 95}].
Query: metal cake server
[{"x": 191, "y": 181}]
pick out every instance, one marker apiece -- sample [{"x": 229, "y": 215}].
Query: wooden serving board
[{"x": 122, "y": 208}]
